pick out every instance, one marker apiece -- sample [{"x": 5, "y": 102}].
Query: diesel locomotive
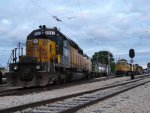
[
  {"x": 124, "y": 68},
  {"x": 50, "y": 57}
]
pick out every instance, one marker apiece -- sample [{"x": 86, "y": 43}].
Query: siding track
[{"x": 74, "y": 102}]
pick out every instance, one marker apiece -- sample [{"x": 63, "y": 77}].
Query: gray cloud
[{"x": 99, "y": 25}]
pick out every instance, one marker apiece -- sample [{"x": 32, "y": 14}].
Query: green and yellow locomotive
[{"x": 51, "y": 57}]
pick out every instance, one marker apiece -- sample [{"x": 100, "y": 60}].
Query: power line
[
  {"x": 82, "y": 14},
  {"x": 83, "y": 19},
  {"x": 137, "y": 19},
  {"x": 85, "y": 23},
  {"x": 55, "y": 17},
  {"x": 2, "y": 50},
  {"x": 41, "y": 7},
  {"x": 59, "y": 19}
]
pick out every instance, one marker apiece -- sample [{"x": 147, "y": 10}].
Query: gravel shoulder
[
  {"x": 11, "y": 101},
  {"x": 133, "y": 101}
]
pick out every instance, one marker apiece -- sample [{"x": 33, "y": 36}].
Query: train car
[
  {"x": 137, "y": 69},
  {"x": 122, "y": 67},
  {"x": 51, "y": 57},
  {"x": 145, "y": 71},
  {"x": 99, "y": 69}
]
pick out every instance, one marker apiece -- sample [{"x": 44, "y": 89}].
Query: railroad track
[
  {"x": 74, "y": 102},
  {"x": 23, "y": 91}
]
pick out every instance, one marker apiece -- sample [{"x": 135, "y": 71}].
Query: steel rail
[
  {"x": 19, "y": 91},
  {"x": 44, "y": 102}
]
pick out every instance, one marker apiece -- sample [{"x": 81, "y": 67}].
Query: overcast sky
[{"x": 114, "y": 25}]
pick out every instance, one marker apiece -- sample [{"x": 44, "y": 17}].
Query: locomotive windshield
[
  {"x": 42, "y": 33},
  {"x": 45, "y": 32}
]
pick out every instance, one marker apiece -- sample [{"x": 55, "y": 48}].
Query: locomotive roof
[
  {"x": 122, "y": 60},
  {"x": 48, "y": 32}
]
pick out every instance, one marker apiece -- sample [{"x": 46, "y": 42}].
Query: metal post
[
  {"x": 108, "y": 55},
  {"x": 131, "y": 64},
  {"x": 13, "y": 55},
  {"x": 19, "y": 50},
  {"x": 132, "y": 74},
  {"x": 22, "y": 51},
  {"x": 97, "y": 66}
]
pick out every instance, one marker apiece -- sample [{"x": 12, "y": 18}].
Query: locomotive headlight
[
  {"x": 15, "y": 67},
  {"x": 35, "y": 41},
  {"x": 38, "y": 67}
]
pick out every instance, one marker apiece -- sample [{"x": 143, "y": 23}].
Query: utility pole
[
  {"x": 19, "y": 50},
  {"x": 108, "y": 56},
  {"x": 97, "y": 66}
]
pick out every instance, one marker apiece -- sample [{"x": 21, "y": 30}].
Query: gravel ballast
[
  {"x": 133, "y": 101},
  {"x": 11, "y": 101}
]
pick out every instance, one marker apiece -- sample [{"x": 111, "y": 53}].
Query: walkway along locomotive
[{"x": 51, "y": 57}]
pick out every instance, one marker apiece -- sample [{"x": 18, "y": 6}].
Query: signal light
[
  {"x": 44, "y": 26},
  {"x": 131, "y": 53},
  {"x": 40, "y": 26}
]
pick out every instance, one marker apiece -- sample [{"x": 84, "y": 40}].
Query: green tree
[{"x": 102, "y": 57}]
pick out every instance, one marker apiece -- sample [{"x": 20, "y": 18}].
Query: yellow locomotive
[
  {"x": 122, "y": 67},
  {"x": 51, "y": 57},
  {"x": 138, "y": 69}
]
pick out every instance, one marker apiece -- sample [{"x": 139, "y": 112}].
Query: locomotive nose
[{"x": 26, "y": 76}]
